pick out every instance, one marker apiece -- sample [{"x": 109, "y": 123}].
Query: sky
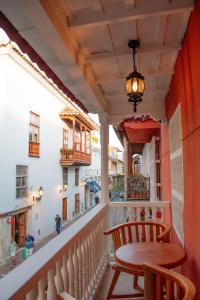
[
  {"x": 3, "y": 37},
  {"x": 113, "y": 139}
]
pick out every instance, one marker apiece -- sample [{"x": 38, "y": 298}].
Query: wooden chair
[
  {"x": 167, "y": 284},
  {"x": 134, "y": 232}
]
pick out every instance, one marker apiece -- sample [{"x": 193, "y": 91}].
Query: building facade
[
  {"x": 92, "y": 173},
  {"x": 45, "y": 144}
]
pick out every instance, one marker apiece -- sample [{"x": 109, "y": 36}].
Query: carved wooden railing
[
  {"x": 73, "y": 262},
  {"x": 66, "y": 154},
  {"x": 73, "y": 156}
]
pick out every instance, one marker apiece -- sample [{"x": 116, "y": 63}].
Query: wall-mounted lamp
[
  {"x": 63, "y": 188},
  {"x": 39, "y": 194}
]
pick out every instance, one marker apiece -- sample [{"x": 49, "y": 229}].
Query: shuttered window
[{"x": 21, "y": 181}]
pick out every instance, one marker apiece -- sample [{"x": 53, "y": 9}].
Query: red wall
[{"x": 185, "y": 89}]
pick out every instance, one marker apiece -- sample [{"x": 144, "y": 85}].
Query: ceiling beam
[
  {"x": 120, "y": 93},
  {"x": 87, "y": 18},
  {"x": 120, "y": 77},
  {"x": 142, "y": 50}
]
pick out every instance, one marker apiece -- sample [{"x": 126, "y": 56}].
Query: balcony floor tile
[{"x": 124, "y": 285}]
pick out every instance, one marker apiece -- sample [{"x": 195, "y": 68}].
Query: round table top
[{"x": 134, "y": 255}]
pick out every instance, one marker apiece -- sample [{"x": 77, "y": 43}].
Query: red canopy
[{"x": 140, "y": 130}]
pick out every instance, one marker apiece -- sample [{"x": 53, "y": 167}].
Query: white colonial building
[{"x": 45, "y": 142}]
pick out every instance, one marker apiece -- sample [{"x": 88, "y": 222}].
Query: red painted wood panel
[
  {"x": 165, "y": 168},
  {"x": 185, "y": 89}
]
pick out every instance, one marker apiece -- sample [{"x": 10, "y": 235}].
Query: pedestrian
[
  {"x": 96, "y": 200},
  {"x": 142, "y": 214},
  {"x": 58, "y": 223},
  {"x": 29, "y": 244},
  {"x": 13, "y": 250}
]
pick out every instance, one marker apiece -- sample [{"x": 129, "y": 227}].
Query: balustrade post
[
  {"x": 58, "y": 278},
  {"x": 92, "y": 259},
  {"x": 76, "y": 271},
  {"x": 71, "y": 271},
  {"x": 89, "y": 262},
  {"x": 80, "y": 261},
  {"x": 51, "y": 291},
  {"x": 65, "y": 273},
  {"x": 42, "y": 289},
  {"x": 86, "y": 265},
  {"x": 32, "y": 295},
  {"x": 83, "y": 271}
]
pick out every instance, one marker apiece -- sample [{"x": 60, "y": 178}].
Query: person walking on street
[
  {"x": 29, "y": 244},
  {"x": 58, "y": 223},
  {"x": 13, "y": 250}
]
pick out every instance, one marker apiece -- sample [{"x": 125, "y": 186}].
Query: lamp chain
[{"x": 134, "y": 63}]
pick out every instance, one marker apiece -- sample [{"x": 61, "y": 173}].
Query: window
[
  {"x": 34, "y": 128},
  {"x": 87, "y": 142},
  {"x": 77, "y": 203},
  {"x": 65, "y": 176},
  {"x": 21, "y": 181},
  {"x": 64, "y": 209},
  {"x": 77, "y": 140},
  {"x": 76, "y": 176},
  {"x": 34, "y": 134},
  {"x": 65, "y": 138},
  {"x": 114, "y": 166},
  {"x": 83, "y": 139}
]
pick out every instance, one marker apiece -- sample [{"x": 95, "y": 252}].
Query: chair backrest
[
  {"x": 168, "y": 284},
  {"x": 138, "y": 232}
]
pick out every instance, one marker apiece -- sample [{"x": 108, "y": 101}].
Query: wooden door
[
  {"x": 13, "y": 228},
  {"x": 64, "y": 209},
  {"x": 77, "y": 204},
  {"x": 22, "y": 228}
]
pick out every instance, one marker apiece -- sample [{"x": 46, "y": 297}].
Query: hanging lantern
[{"x": 135, "y": 80}]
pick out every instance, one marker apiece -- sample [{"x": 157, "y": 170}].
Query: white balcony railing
[
  {"x": 121, "y": 212},
  {"x": 74, "y": 262}
]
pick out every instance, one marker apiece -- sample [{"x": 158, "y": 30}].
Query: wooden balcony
[
  {"x": 34, "y": 149},
  {"x": 75, "y": 261},
  {"x": 70, "y": 157}
]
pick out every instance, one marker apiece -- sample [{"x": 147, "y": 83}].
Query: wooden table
[{"x": 134, "y": 255}]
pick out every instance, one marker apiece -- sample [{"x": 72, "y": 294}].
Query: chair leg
[
  {"x": 136, "y": 286},
  {"x": 135, "y": 281},
  {"x": 113, "y": 283}
]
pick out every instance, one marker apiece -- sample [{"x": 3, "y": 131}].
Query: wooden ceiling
[{"x": 92, "y": 36}]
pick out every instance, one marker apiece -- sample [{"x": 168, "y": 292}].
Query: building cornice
[
  {"x": 25, "y": 47},
  {"x": 24, "y": 60}
]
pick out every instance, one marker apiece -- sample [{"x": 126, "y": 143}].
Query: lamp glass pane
[
  {"x": 128, "y": 86},
  {"x": 141, "y": 86},
  {"x": 135, "y": 85}
]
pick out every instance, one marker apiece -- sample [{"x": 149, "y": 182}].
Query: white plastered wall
[{"x": 23, "y": 90}]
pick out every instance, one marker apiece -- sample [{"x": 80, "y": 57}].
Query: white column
[
  {"x": 125, "y": 166},
  {"x": 104, "y": 159}
]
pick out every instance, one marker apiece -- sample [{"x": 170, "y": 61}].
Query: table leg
[{"x": 149, "y": 286}]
